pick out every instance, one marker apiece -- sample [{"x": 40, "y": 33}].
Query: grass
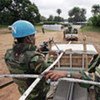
[
  {"x": 3, "y": 26},
  {"x": 90, "y": 29},
  {"x": 38, "y": 27}
]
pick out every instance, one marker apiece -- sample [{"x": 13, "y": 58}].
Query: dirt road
[{"x": 11, "y": 92}]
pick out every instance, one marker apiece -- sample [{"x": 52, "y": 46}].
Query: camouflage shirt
[
  {"x": 94, "y": 67},
  {"x": 23, "y": 59}
]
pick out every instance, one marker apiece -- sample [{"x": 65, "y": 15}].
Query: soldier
[
  {"x": 43, "y": 31},
  {"x": 97, "y": 78},
  {"x": 75, "y": 31},
  {"x": 69, "y": 30},
  {"x": 24, "y": 59}
]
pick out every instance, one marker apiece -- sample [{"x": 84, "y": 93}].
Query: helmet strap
[{"x": 30, "y": 40}]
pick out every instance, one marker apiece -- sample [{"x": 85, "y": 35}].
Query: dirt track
[{"x": 10, "y": 92}]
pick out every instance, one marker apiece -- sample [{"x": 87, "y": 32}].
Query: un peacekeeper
[
  {"x": 70, "y": 29},
  {"x": 75, "y": 31},
  {"x": 67, "y": 31},
  {"x": 24, "y": 59},
  {"x": 94, "y": 67}
]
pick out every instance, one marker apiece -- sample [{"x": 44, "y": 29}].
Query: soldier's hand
[{"x": 55, "y": 75}]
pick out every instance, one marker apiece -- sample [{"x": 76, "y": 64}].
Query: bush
[
  {"x": 88, "y": 28},
  {"x": 95, "y": 20}
]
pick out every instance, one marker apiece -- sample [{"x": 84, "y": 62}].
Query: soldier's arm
[{"x": 38, "y": 64}]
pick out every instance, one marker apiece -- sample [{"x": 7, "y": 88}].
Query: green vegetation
[
  {"x": 95, "y": 9},
  {"x": 12, "y": 10},
  {"x": 90, "y": 29},
  {"x": 59, "y": 12},
  {"x": 38, "y": 27},
  {"x": 95, "y": 19},
  {"x": 93, "y": 24},
  {"x": 3, "y": 26},
  {"x": 77, "y": 14}
]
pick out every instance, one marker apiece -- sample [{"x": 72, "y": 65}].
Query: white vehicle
[
  {"x": 70, "y": 34},
  {"x": 71, "y": 37}
]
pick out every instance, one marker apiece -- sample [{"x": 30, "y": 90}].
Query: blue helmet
[{"x": 22, "y": 28}]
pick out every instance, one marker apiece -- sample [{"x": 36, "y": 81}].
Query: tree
[
  {"x": 82, "y": 15},
  {"x": 83, "y": 12},
  {"x": 42, "y": 18},
  {"x": 51, "y": 18},
  {"x": 57, "y": 19},
  {"x": 77, "y": 15},
  {"x": 59, "y": 12},
  {"x": 95, "y": 9},
  {"x": 12, "y": 10},
  {"x": 95, "y": 19}
]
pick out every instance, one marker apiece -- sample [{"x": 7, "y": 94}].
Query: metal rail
[
  {"x": 80, "y": 81},
  {"x": 19, "y": 75},
  {"x": 71, "y": 91},
  {"x": 56, "y": 45}
]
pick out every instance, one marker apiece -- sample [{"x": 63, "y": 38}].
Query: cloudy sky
[{"x": 49, "y": 7}]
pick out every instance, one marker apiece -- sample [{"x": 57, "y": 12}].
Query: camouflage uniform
[
  {"x": 94, "y": 67},
  {"x": 69, "y": 30},
  {"x": 75, "y": 31},
  {"x": 23, "y": 59},
  {"x": 97, "y": 78}
]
